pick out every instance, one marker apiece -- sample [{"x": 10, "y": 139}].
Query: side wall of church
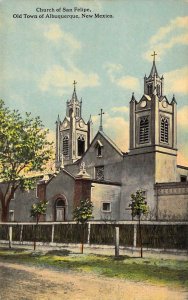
[
  {"x": 105, "y": 193},
  {"x": 138, "y": 172},
  {"x": 21, "y": 205},
  {"x": 172, "y": 201},
  {"x": 165, "y": 168}
]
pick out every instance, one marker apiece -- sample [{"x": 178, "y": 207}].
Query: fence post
[
  {"x": 52, "y": 236},
  {"x": 21, "y": 234},
  {"x": 116, "y": 241},
  {"x": 89, "y": 233},
  {"x": 135, "y": 236},
  {"x": 10, "y": 236}
]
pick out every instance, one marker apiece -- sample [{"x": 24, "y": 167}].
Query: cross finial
[
  {"x": 74, "y": 84},
  {"x": 101, "y": 113},
  {"x": 154, "y": 54}
]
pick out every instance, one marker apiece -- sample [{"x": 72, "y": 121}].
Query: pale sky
[{"x": 108, "y": 57}]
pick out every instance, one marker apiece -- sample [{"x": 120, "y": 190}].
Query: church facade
[{"x": 97, "y": 169}]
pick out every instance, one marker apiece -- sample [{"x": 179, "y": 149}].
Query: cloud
[
  {"x": 113, "y": 70},
  {"x": 176, "y": 81},
  {"x": 174, "y": 33},
  {"x": 120, "y": 109},
  {"x": 182, "y": 158},
  {"x": 59, "y": 78},
  {"x": 53, "y": 32},
  {"x": 116, "y": 128},
  {"x": 182, "y": 117},
  {"x": 127, "y": 82},
  {"x": 183, "y": 154}
]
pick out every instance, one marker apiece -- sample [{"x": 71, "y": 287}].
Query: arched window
[
  {"x": 144, "y": 130},
  {"x": 66, "y": 145},
  {"x": 81, "y": 145},
  {"x": 164, "y": 130}
]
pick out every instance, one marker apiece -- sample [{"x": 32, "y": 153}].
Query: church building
[{"x": 95, "y": 168}]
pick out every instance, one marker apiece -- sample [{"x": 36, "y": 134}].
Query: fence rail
[{"x": 161, "y": 235}]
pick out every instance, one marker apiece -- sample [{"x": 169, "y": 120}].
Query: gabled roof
[
  {"x": 145, "y": 96},
  {"x": 109, "y": 141}
]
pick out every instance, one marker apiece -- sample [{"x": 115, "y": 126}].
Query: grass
[{"x": 157, "y": 271}]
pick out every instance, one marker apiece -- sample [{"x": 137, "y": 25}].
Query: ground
[
  {"x": 61, "y": 273},
  {"x": 21, "y": 282}
]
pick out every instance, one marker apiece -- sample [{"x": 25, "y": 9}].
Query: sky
[{"x": 108, "y": 57}]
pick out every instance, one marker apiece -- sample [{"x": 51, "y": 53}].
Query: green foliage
[
  {"x": 23, "y": 144},
  {"x": 83, "y": 213},
  {"x": 38, "y": 209},
  {"x": 138, "y": 204},
  {"x": 24, "y": 150}
]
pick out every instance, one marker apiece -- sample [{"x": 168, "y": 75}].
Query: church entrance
[{"x": 60, "y": 210}]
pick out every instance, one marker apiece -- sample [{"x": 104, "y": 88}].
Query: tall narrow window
[
  {"x": 77, "y": 112},
  {"x": 66, "y": 145},
  {"x": 81, "y": 145},
  {"x": 158, "y": 90},
  {"x": 144, "y": 130},
  {"x": 99, "y": 151},
  {"x": 150, "y": 89},
  {"x": 164, "y": 130}
]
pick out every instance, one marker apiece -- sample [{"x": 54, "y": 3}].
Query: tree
[
  {"x": 139, "y": 208},
  {"x": 81, "y": 215},
  {"x": 24, "y": 150},
  {"x": 37, "y": 210}
]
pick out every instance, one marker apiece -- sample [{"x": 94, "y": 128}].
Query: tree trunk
[
  {"x": 4, "y": 214},
  {"x": 35, "y": 232},
  {"x": 140, "y": 235},
  {"x": 82, "y": 238}
]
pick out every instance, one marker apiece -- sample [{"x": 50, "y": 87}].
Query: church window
[
  {"x": 106, "y": 207},
  {"x": 150, "y": 89},
  {"x": 183, "y": 178},
  {"x": 99, "y": 173},
  {"x": 164, "y": 130},
  {"x": 81, "y": 145},
  {"x": 144, "y": 130},
  {"x": 77, "y": 112},
  {"x": 11, "y": 215},
  {"x": 98, "y": 147},
  {"x": 99, "y": 151},
  {"x": 66, "y": 145},
  {"x": 158, "y": 90}
]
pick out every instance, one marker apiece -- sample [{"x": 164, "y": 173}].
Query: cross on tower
[
  {"x": 154, "y": 54},
  {"x": 74, "y": 84},
  {"x": 101, "y": 113}
]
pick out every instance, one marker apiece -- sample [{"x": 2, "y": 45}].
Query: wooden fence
[{"x": 156, "y": 235}]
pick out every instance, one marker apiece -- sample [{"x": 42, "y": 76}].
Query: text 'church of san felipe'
[{"x": 96, "y": 169}]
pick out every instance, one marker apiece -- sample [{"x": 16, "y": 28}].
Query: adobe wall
[
  {"x": 105, "y": 193},
  {"x": 172, "y": 201}
]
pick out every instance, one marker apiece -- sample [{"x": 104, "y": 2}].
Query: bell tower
[
  {"x": 153, "y": 122},
  {"x": 73, "y": 135}
]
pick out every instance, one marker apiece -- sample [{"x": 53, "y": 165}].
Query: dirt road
[{"x": 21, "y": 282}]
